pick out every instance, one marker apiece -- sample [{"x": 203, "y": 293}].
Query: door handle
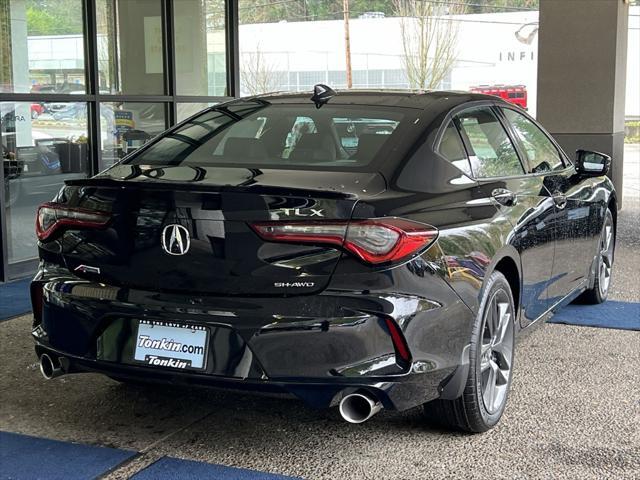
[
  {"x": 504, "y": 197},
  {"x": 560, "y": 199}
]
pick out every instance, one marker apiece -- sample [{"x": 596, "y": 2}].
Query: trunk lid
[{"x": 183, "y": 229}]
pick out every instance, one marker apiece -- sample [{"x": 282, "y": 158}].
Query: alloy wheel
[
  {"x": 496, "y": 353},
  {"x": 606, "y": 256}
]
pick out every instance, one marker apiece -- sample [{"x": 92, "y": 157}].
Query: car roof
[{"x": 419, "y": 99}]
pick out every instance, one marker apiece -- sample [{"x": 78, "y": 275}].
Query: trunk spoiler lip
[{"x": 110, "y": 182}]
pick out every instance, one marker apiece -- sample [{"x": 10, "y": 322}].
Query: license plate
[{"x": 172, "y": 345}]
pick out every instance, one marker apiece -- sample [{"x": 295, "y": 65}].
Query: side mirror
[{"x": 592, "y": 164}]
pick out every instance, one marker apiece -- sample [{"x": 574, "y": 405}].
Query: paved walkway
[{"x": 574, "y": 411}]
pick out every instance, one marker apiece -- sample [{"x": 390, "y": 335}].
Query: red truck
[{"x": 516, "y": 94}]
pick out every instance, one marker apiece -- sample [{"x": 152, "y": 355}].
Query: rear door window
[
  {"x": 542, "y": 154},
  {"x": 493, "y": 154}
]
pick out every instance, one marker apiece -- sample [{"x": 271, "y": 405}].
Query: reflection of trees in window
[
  {"x": 542, "y": 154},
  {"x": 495, "y": 153}
]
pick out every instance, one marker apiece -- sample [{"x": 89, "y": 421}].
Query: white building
[{"x": 493, "y": 48}]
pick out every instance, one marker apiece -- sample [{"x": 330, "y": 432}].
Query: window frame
[
  {"x": 566, "y": 163},
  {"x": 454, "y": 114},
  {"x": 452, "y": 120}
]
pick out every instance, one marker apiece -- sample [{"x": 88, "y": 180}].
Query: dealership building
[{"x": 85, "y": 84}]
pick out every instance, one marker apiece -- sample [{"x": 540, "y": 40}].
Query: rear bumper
[
  {"x": 395, "y": 393},
  {"x": 316, "y": 348}
]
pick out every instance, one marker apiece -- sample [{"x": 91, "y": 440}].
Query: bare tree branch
[
  {"x": 429, "y": 38},
  {"x": 258, "y": 75}
]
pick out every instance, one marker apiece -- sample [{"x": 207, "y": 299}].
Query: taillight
[
  {"x": 378, "y": 240},
  {"x": 52, "y": 216}
]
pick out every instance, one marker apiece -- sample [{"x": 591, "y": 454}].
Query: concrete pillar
[
  {"x": 582, "y": 62},
  {"x": 141, "y": 55}
]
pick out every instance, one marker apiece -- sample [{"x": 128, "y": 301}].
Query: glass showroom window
[
  {"x": 485, "y": 46},
  {"x": 387, "y": 47},
  {"x": 38, "y": 155},
  {"x": 41, "y": 47},
  {"x": 126, "y": 126},
  {"x": 185, "y": 110},
  {"x": 200, "y": 47},
  {"x": 130, "y": 53}
]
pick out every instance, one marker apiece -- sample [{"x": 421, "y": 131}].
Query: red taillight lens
[
  {"x": 388, "y": 239},
  {"x": 379, "y": 240},
  {"x": 51, "y": 217}
]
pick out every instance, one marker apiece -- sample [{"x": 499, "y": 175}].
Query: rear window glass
[{"x": 260, "y": 134}]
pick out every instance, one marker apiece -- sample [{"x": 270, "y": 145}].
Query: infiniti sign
[{"x": 175, "y": 239}]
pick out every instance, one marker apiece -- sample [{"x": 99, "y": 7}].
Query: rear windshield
[{"x": 259, "y": 134}]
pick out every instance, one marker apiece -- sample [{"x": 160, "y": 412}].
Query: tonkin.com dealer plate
[{"x": 171, "y": 345}]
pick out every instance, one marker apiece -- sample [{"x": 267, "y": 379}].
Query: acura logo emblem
[{"x": 175, "y": 239}]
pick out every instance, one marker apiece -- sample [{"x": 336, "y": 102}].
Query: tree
[
  {"x": 258, "y": 75},
  {"x": 6, "y": 63},
  {"x": 491, "y": 6},
  {"x": 429, "y": 37},
  {"x": 261, "y": 11},
  {"x": 54, "y": 17}
]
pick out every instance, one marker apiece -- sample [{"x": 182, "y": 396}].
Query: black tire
[
  {"x": 600, "y": 291},
  {"x": 469, "y": 412}
]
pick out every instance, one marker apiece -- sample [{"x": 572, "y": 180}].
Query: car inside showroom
[{"x": 319, "y": 239}]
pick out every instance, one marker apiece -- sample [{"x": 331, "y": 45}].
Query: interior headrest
[
  {"x": 369, "y": 144},
  {"x": 314, "y": 147}
]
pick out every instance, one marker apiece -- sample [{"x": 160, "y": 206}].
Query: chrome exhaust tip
[
  {"x": 49, "y": 367},
  {"x": 359, "y": 407}
]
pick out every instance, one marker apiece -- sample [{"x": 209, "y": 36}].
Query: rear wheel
[
  {"x": 604, "y": 267},
  {"x": 490, "y": 365}
]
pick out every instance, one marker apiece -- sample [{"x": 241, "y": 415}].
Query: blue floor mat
[
  {"x": 168, "y": 468},
  {"x": 610, "y": 314},
  {"x": 29, "y": 458},
  {"x": 14, "y": 298}
]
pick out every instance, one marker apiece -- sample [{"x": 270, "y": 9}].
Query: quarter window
[
  {"x": 493, "y": 153},
  {"x": 452, "y": 149},
  {"x": 542, "y": 154}
]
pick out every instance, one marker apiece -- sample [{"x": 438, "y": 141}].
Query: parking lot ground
[{"x": 574, "y": 412}]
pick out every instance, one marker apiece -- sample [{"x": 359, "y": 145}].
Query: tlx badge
[{"x": 303, "y": 212}]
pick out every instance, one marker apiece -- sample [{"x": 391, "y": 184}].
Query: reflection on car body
[{"x": 360, "y": 249}]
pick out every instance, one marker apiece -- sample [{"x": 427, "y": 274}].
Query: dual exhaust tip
[
  {"x": 50, "y": 367},
  {"x": 359, "y": 407},
  {"x": 354, "y": 408}
]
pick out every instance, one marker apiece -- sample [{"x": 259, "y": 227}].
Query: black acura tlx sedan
[{"x": 359, "y": 249}]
